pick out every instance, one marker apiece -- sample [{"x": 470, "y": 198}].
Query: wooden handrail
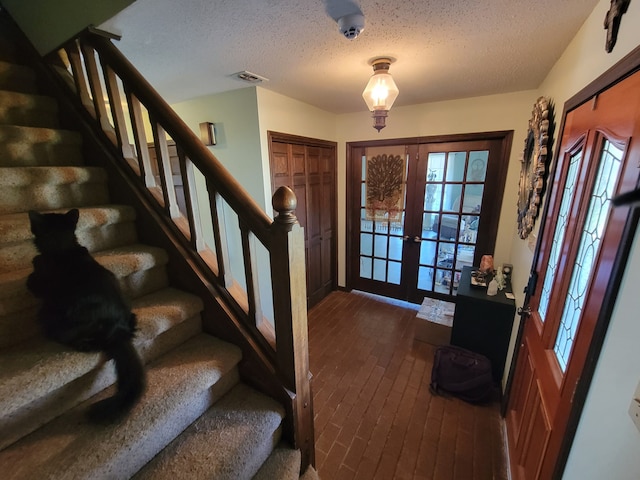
[
  {"x": 257, "y": 220},
  {"x": 282, "y": 237}
]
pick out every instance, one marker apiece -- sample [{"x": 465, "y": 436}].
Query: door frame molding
[
  {"x": 353, "y": 195},
  {"x": 624, "y": 68}
]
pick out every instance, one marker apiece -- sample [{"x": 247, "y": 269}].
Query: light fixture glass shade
[{"x": 380, "y": 92}]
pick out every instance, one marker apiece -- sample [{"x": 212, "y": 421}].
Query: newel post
[{"x": 288, "y": 279}]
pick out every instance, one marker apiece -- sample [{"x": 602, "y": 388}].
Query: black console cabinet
[{"x": 482, "y": 323}]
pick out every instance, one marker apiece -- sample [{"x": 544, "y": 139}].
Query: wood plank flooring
[{"x": 375, "y": 417}]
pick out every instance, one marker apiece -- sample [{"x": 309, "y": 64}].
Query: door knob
[
  {"x": 415, "y": 239},
  {"x": 524, "y": 311}
]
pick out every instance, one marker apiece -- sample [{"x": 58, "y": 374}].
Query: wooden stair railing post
[{"x": 288, "y": 280}]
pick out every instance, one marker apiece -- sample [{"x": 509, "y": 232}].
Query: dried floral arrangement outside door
[
  {"x": 385, "y": 188},
  {"x": 534, "y": 166}
]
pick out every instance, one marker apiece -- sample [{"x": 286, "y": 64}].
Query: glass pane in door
[
  {"x": 382, "y": 213},
  {"x": 558, "y": 234},
  {"x": 593, "y": 229},
  {"x": 454, "y": 188}
]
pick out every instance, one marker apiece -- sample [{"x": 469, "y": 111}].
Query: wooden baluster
[
  {"x": 79, "y": 77},
  {"x": 117, "y": 112},
  {"x": 140, "y": 138},
  {"x": 219, "y": 236},
  {"x": 97, "y": 93},
  {"x": 164, "y": 168},
  {"x": 191, "y": 201},
  {"x": 288, "y": 279},
  {"x": 251, "y": 276}
]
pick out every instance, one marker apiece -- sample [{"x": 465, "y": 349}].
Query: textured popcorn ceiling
[{"x": 445, "y": 49}]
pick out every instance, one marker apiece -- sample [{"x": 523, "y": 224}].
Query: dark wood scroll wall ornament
[
  {"x": 612, "y": 22},
  {"x": 534, "y": 166}
]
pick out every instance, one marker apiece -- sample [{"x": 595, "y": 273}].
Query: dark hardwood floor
[{"x": 375, "y": 417}]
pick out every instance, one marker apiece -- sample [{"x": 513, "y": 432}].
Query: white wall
[{"x": 235, "y": 114}]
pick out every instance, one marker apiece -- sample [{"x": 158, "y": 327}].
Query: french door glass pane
[
  {"x": 558, "y": 234},
  {"x": 433, "y": 197},
  {"x": 454, "y": 187},
  {"x": 477, "y": 168},
  {"x": 452, "y": 196},
  {"x": 366, "y": 244},
  {"x": 455, "y": 166},
  {"x": 595, "y": 222},
  {"x": 382, "y": 213},
  {"x": 425, "y": 279}
]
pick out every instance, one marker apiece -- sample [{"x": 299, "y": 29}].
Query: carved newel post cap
[{"x": 284, "y": 202}]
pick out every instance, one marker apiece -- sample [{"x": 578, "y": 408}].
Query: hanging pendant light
[{"x": 380, "y": 92}]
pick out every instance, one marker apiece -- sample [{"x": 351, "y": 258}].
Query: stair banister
[{"x": 282, "y": 237}]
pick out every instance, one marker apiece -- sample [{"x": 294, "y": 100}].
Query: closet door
[{"x": 309, "y": 170}]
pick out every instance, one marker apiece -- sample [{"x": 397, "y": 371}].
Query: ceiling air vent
[{"x": 250, "y": 77}]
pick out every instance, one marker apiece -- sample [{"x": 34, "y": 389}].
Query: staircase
[{"x": 196, "y": 419}]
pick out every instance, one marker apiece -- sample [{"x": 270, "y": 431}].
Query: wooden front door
[
  {"x": 421, "y": 211},
  {"x": 308, "y": 167},
  {"x": 598, "y": 158}
]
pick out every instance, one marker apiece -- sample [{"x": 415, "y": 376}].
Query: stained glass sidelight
[
  {"x": 595, "y": 222},
  {"x": 558, "y": 234}
]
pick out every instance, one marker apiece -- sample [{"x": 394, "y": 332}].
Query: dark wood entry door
[
  {"x": 422, "y": 211},
  {"x": 308, "y": 167},
  {"x": 577, "y": 250}
]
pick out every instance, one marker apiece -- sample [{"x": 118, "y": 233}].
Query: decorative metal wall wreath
[{"x": 534, "y": 166}]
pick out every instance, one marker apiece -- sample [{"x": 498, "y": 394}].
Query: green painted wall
[{"x": 49, "y": 23}]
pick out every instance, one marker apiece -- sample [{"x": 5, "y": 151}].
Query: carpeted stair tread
[
  {"x": 44, "y": 188},
  {"x": 38, "y": 366},
  {"x": 282, "y": 464},
  {"x": 15, "y": 227},
  {"x": 28, "y": 110},
  {"x": 17, "y": 77},
  {"x": 243, "y": 426},
  {"x": 179, "y": 388},
  {"x": 122, "y": 261},
  {"x": 99, "y": 228},
  {"x": 24, "y": 146},
  {"x": 28, "y": 176},
  {"x": 310, "y": 474},
  {"x": 140, "y": 270}
]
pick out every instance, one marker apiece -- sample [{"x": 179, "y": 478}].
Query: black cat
[{"x": 82, "y": 307}]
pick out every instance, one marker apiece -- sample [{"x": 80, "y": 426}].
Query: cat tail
[{"x": 131, "y": 384}]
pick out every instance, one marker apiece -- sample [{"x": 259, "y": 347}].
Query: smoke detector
[{"x": 351, "y": 25}]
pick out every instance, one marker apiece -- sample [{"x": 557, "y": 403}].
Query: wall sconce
[
  {"x": 208, "y": 133},
  {"x": 380, "y": 92}
]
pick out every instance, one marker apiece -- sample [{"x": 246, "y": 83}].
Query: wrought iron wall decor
[
  {"x": 612, "y": 22},
  {"x": 533, "y": 171}
]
